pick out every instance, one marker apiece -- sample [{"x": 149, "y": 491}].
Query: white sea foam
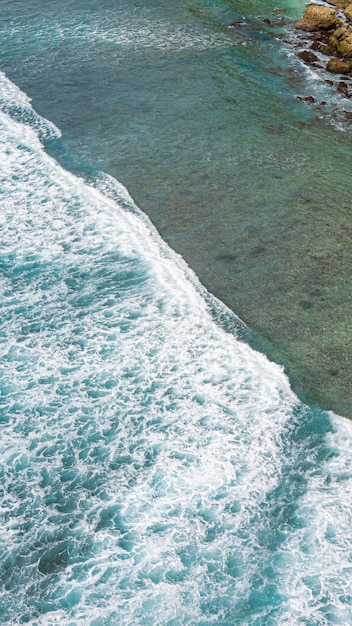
[
  {"x": 18, "y": 105},
  {"x": 143, "y": 449},
  {"x": 142, "y": 33},
  {"x": 318, "y": 586}
]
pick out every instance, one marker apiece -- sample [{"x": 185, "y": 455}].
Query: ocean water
[
  {"x": 155, "y": 468},
  {"x": 201, "y": 123}
]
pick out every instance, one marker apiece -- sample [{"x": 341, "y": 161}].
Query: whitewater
[{"x": 155, "y": 469}]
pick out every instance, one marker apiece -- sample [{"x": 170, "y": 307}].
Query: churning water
[{"x": 155, "y": 469}]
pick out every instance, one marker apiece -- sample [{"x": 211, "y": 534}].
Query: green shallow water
[{"x": 202, "y": 125}]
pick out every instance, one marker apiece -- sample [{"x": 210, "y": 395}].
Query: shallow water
[{"x": 155, "y": 469}]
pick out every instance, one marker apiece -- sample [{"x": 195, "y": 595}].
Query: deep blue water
[{"x": 155, "y": 469}]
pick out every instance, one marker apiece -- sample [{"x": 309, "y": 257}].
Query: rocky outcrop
[
  {"x": 317, "y": 17},
  {"x": 339, "y": 66},
  {"x": 348, "y": 12},
  {"x": 323, "y": 46},
  {"x": 323, "y": 40},
  {"x": 329, "y": 35},
  {"x": 341, "y": 41},
  {"x": 340, "y": 4}
]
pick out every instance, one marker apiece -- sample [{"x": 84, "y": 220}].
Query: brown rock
[
  {"x": 237, "y": 23},
  {"x": 340, "y": 4},
  {"x": 320, "y": 35},
  {"x": 345, "y": 47},
  {"x": 343, "y": 88},
  {"x": 307, "y": 56},
  {"x": 323, "y": 48},
  {"x": 337, "y": 35},
  {"x": 348, "y": 12},
  {"x": 309, "y": 99},
  {"x": 315, "y": 45},
  {"x": 339, "y": 66},
  {"x": 317, "y": 17},
  {"x": 266, "y": 21},
  {"x": 341, "y": 40}
]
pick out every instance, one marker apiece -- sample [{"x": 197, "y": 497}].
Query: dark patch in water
[
  {"x": 258, "y": 250},
  {"x": 228, "y": 258},
  {"x": 333, "y": 372},
  {"x": 305, "y": 304},
  {"x": 54, "y": 559}
]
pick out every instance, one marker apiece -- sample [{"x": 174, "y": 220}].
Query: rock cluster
[
  {"x": 330, "y": 29},
  {"x": 318, "y": 17},
  {"x": 323, "y": 40}
]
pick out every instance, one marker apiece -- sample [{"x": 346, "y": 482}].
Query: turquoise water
[
  {"x": 155, "y": 469},
  {"x": 201, "y": 123}
]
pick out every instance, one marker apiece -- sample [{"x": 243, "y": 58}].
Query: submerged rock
[
  {"x": 318, "y": 17},
  {"x": 309, "y": 99},
  {"x": 343, "y": 88},
  {"x": 307, "y": 56},
  {"x": 237, "y": 23}
]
